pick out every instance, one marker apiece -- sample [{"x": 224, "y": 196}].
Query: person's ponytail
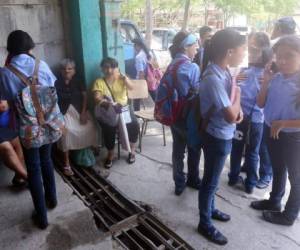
[
  {"x": 217, "y": 47},
  {"x": 176, "y": 48},
  {"x": 206, "y": 56}
]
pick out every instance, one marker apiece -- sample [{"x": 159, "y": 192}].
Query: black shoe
[
  {"x": 194, "y": 185},
  {"x": 238, "y": 182},
  {"x": 213, "y": 235},
  {"x": 220, "y": 216},
  {"x": 38, "y": 222},
  {"x": 51, "y": 204},
  {"x": 179, "y": 190},
  {"x": 249, "y": 190},
  {"x": 108, "y": 163},
  {"x": 277, "y": 218},
  {"x": 265, "y": 205}
]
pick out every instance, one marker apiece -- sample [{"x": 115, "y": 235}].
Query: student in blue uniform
[
  {"x": 220, "y": 107},
  {"x": 38, "y": 161},
  {"x": 249, "y": 132},
  {"x": 183, "y": 50},
  {"x": 142, "y": 55},
  {"x": 205, "y": 33},
  {"x": 280, "y": 98}
]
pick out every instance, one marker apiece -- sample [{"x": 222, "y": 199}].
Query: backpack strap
[
  {"x": 31, "y": 82},
  {"x": 109, "y": 89},
  {"x": 34, "y": 95},
  {"x": 35, "y": 76},
  {"x": 19, "y": 74},
  {"x": 173, "y": 72}
]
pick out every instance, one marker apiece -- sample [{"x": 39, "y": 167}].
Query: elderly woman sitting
[
  {"x": 113, "y": 88},
  {"x": 72, "y": 100}
]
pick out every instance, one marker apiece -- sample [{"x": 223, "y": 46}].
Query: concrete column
[{"x": 86, "y": 37}]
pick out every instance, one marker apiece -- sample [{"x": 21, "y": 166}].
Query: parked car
[
  {"x": 164, "y": 37},
  {"x": 130, "y": 31}
]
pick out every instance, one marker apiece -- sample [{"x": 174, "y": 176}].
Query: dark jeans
[
  {"x": 215, "y": 154},
  {"x": 265, "y": 166},
  {"x": 178, "y": 131},
  {"x": 109, "y": 132},
  {"x": 249, "y": 134},
  {"x": 40, "y": 178},
  {"x": 285, "y": 158}
]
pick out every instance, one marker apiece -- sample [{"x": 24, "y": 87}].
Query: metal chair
[{"x": 140, "y": 91}]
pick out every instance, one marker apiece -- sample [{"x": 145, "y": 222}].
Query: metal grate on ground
[{"x": 128, "y": 223}]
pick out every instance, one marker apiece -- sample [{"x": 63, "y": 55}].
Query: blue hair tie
[{"x": 189, "y": 40}]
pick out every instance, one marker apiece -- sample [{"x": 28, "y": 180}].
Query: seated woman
[
  {"x": 113, "y": 86},
  {"x": 10, "y": 148},
  {"x": 72, "y": 100}
]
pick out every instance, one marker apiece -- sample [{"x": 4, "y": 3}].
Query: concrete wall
[{"x": 42, "y": 19}]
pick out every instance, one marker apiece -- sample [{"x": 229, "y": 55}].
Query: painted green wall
[
  {"x": 86, "y": 37},
  {"x": 94, "y": 35}
]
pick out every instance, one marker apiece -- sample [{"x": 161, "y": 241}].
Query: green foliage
[
  {"x": 255, "y": 10},
  {"x": 254, "y": 7},
  {"x": 131, "y": 6}
]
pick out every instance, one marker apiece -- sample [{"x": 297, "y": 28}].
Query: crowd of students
[{"x": 255, "y": 112}]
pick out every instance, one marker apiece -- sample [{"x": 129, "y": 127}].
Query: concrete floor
[
  {"x": 149, "y": 180},
  {"x": 71, "y": 223}
]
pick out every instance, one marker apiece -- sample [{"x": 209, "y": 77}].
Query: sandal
[
  {"x": 19, "y": 182},
  {"x": 131, "y": 158},
  {"x": 67, "y": 171},
  {"x": 108, "y": 163}
]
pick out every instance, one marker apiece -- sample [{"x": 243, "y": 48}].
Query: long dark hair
[
  {"x": 263, "y": 42},
  {"x": 139, "y": 42},
  {"x": 19, "y": 42},
  {"x": 217, "y": 47},
  {"x": 291, "y": 41},
  {"x": 176, "y": 48}
]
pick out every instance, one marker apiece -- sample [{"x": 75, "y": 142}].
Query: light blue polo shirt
[
  {"x": 250, "y": 89},
  {"x": 188, "y": 75},
  {"x": 141, "y": 62},
  {"x": 11, "y": 85},
  {"x": 283, "y": 100},
  {"x": 215, "y": 89}
]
